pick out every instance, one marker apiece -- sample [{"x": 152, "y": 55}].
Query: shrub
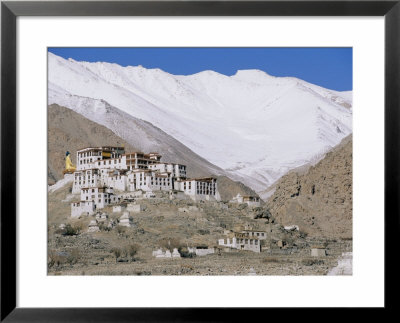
[
  {"x": 117, "y": 253},
  {"x": 261, "y": 213},
  {"x": 169, "y": 243},
  {"x": 271, "y": 260},
  {"x": 132, "y": 250},
  {"x": 56, "y": 258},
  {"x": 70, "y": 230},
  {"x": 121, "y": 230},
  {"x": 73, "y": 256},
  {"x": 311, "y": 262},
  {"x": 51, "y": 259},
  {"x": 103, "y": 227},
  {"x": 185, "y": 253}
]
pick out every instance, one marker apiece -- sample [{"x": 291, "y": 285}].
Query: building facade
[{"x": 244, "y": 240}]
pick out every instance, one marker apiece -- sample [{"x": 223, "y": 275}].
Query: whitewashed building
[
  {"x": 86, "y": 158},
  {"x": 78, "y": 208},
  {"x": 116, "y": 179},
  {"x": 101, "y": 170},
  {"x": 101, "y": 196},
  {"x": 244, "y": 240},
  {"x": 147, "y": 180},
  {"x": 139, "y": 160},
  {"x": 248, "y": 199},
  {"x": 199, "y": 188},
  {"x": 176, "y": 171},
  {"x": 86, "y": 178}
]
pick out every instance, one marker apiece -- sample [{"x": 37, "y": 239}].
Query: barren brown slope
[
  {"x": 319, "y": 200},
  {"x": 69, "y": 131},
  {"x": 229, "y": 188}
]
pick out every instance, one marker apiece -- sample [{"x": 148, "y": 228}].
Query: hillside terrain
[
  {"x": 70, "y": 131},
  {"x": 318, "y": 199},
  {"x": 180, "y": 224}
]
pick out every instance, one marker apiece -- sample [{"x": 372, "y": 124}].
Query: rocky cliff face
[{"x": 318, "y": 199}]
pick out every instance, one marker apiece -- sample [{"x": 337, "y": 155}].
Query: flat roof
[
  {"x": 199, "y": 179},
  {"x": 101, "y": 148}
]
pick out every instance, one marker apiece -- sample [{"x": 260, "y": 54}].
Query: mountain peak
[{"x": 252, "y": 75}]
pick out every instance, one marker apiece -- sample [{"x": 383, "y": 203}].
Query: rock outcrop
[{"x": 319, "y": 199}]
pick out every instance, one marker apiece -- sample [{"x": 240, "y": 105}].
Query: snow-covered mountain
[{"x": 251, "y": 124}]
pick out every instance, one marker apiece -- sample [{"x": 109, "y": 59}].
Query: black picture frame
[{"x": 10, "y": 10}]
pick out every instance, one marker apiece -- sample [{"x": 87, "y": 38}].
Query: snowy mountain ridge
[{"x": 253, "y": 125}]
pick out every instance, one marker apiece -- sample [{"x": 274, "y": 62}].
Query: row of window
[
  {"x": 258, "y": 234},
  {"x": 246, "y": 241},
  {"x": 206, "y": 192},
  {"x": 90, "y": 153}
]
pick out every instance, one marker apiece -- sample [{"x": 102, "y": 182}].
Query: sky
[{"x": 328, "y": 67}]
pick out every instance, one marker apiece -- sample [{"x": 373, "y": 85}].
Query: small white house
[
  {"x": 77, "y": 208},
  {"x": 248, "y": 199},
  {"x": 242, "y": 241},
  {"x": 199, "y": 188}
]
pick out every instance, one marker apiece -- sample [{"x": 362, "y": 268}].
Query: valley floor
[{"x": 225, "y": 264}]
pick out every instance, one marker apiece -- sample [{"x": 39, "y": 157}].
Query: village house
[
  {"x": 199, "y": 188},
  {"x": 78, "y": 208},
  {"x": 116, "y": 179},
  {"x": 177, "y": 171},
  {"x": 248, "y": 199},
  {"x": 245, "y": 240},
  {"x": 86, "y": 178},
  {"x": 101, "y": 196}
]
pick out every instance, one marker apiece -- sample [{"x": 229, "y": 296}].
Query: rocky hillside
[
  {"x": 318, "y": 199},
  {"x": 68, "y": 130},
  {"x": 229, "y": 188}
]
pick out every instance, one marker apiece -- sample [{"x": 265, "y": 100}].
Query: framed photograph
[{"x": 179, "y": 155}]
